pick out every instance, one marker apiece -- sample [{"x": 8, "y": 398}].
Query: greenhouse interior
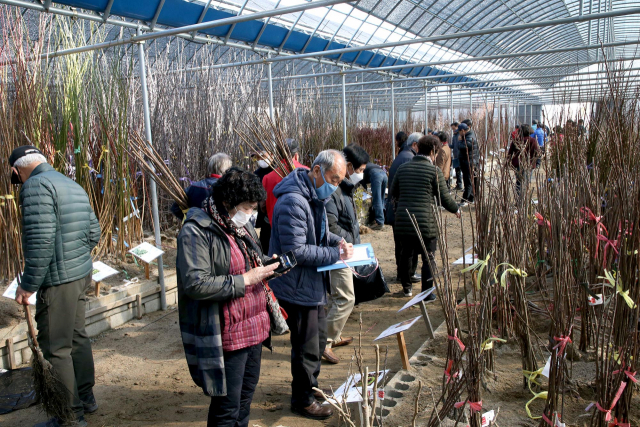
[{"x": 230, "y": 212}]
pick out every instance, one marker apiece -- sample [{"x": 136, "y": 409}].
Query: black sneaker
[
  {"x": 416, "y": 278},
  {"x": 89, "y": 404},
  {"x": 459, "y": 188}
]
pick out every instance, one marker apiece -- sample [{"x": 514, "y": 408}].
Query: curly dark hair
[
  {"x": 237, "y": 186},
  {"x": 428, "y": 144}
]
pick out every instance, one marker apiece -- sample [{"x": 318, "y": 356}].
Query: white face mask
[
  {"x": 355, "y": 178},
  {"x": 240, "y": 219},
  {"x": 263, "y": 164}
]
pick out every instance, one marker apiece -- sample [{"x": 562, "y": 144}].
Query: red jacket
[
  {"x": 269, "y": 182},
  {"x": 526, "y": 148}
]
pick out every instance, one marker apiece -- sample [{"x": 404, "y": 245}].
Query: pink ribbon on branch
[
  {"x": 608, "y": 243},
  {"x": 474, "y": 406},
  {"x": 628, "y": 373},
  {"x": 456, "y": 339},
  {"x": 447, "y": 371},
  {"x": 562, "y": 343},
  {"x": 607, "y": 412},
  {"x": 589, "y": 216},
  {"x": 542, "y": 221}
]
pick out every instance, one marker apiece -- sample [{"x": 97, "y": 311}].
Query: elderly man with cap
[{"x": 59, "y": 230}]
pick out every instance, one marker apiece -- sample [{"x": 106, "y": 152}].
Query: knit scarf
[{"x": 244, "y": 241}]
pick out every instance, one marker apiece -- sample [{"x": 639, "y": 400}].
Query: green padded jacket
[
  {"x": 59, "y": 230},
  {"x": 414, "y": 187}
]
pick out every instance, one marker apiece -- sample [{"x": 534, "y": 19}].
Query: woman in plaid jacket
[{"x": 221, "y": 298}]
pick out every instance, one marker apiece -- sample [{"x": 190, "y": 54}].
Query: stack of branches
[
  {"x": 589, "y": 219},
  {"x": 454, "y": 377},
  {"x": 152, "y": 163},
  {"x": 264, "y": 134}
]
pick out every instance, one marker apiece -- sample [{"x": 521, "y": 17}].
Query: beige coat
[{"x": 443, "y": 161}]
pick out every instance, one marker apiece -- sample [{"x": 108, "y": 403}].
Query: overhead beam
[
  {"x": 457, "y": 61},
  {"x": 454, "y": 36},
  {"x": 179, "y": 30}
]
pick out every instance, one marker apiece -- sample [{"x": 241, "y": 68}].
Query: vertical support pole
[
  {"x": 471, "y": 104},
  {"x": 499, "y": 128},
  {"x": 344, "y": 111},
  {"x": 393, "y": 122},
  {"x": 486, "y": 128},
  {"x": 270, "y": 77},
  {"x": 426, "y": 107},
  {"x": 451, "y": 104},
  {"x": 152, "y": 182}
]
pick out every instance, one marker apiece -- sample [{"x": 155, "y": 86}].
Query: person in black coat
[
  {"x": 406, "y": 154},
  {"x": 413, "y": 189},
  {"x": 342, "y": 216},
  {"x": 467, "y": 147}
]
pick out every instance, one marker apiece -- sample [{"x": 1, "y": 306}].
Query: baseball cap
[
  {"x": 21, "y": 152},
  {"x": 463, "y": 127},
  {"x": 17, "y": 154}
]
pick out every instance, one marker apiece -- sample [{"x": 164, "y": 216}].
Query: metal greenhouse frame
[{"x": 389, "y": 54}]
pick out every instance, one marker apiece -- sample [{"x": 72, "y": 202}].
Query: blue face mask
[
  {"x": 534, "y": 127},
  {"x": 325, "y": 189}
]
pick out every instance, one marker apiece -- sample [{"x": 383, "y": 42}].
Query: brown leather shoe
[
  {"x": 315, "y": 411},
  {"x": 343, "y": 341},
  {"x": 318, "y": 395},
  {"x": 330, "y": 357}
]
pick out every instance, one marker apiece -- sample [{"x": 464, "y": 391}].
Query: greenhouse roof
[{"x": 517, "y": 49}]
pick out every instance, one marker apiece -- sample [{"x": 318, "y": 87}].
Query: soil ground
[{"x": 142, "y": 377}]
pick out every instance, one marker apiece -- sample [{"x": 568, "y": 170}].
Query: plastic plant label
[
  {"x": 487, "y": 418},
  {"x": 596, "y": 301},
  {"x": 547, "y": 368}
]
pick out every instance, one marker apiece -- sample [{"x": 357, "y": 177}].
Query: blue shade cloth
[{"x": 180, "y": 13}]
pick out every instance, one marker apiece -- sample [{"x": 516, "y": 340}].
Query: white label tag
[
  {"x": 547, "y": 368},
  {"x": 487, "y": 417},
  {"x": 595, "y": 301}
]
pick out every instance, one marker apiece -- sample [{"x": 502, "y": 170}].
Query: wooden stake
[
  {"x": 146, "y": 271},
  {"x": 12, "y": 357},
  {"x": 139, "y": 305},
  {"x": 97, "y": 290},
  {"x": 403, "y": 351}
]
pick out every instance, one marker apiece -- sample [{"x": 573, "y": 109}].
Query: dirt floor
[{"x": 142, "y": 377}]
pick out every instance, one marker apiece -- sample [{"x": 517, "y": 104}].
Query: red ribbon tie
[{"x": 456, "y": 339}]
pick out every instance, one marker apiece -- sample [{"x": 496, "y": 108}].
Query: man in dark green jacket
[
  {"x": 414, "y": 187},
  {"x": 59, "y": 230}
]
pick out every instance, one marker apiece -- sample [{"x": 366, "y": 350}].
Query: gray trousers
[
  {"x": 60, "y": 315},
  {"x": 340, "y": 303}
]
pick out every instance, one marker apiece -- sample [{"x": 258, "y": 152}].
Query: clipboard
[{"x": 363, "y": 255}]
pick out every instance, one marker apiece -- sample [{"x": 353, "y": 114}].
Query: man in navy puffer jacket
[{"x": 300, "y": 225}]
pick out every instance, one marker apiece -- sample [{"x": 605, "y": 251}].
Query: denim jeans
[{"x": 379, "y": 181}]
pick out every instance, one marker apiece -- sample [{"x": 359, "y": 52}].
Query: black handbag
[{"x": 369, "y": 283}]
